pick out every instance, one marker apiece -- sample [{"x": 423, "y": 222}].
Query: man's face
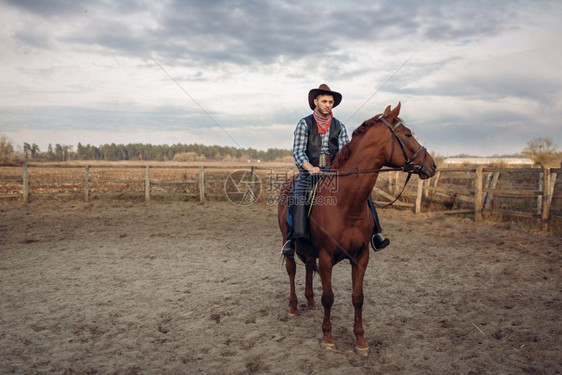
[{"x": 324, "y": 103}]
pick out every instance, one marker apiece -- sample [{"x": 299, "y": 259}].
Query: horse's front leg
[
  {"x": 358, "y": 268},
  {"x": 291, "y": 267},
  {"x": 326, "y": 264},
  {"x": 308, "y": 290}
]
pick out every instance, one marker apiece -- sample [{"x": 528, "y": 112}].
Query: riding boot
[
  {"x": 378, "y": 242},
  {"x": 301, "y": 226}
]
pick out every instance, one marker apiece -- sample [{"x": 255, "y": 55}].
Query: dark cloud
[
  {"x": 261, "y": 32},
  {"x": 254, "y": 32},
  {"x": 57, "y": 8},
  {"x": 48, "y": 8}
]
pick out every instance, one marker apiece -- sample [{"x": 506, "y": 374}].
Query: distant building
[{"x": 519, "y": 162}]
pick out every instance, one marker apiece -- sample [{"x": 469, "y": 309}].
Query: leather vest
[{"x": 315, "y": 142}]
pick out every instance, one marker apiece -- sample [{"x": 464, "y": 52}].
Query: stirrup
[
  {"x": 288, "y": 249},
  {"x": 378, "y": 242}
]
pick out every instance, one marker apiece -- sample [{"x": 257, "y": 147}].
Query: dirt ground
[{"x": 187, "y": 288}]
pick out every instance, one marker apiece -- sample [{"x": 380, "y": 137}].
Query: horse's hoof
[
  {"x": 363, "y": 352},
  {"x": 291, "y": 315},
  {"x": 328, "y": 345}
]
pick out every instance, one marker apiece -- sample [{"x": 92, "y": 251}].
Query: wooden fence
[
  {"x": 197, "y": 181},
  {"x": 527, "y": 192}
]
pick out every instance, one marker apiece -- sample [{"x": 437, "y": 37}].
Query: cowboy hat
[{"x": 323, "y": 89}]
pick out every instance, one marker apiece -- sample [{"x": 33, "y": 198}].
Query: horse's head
[{"x": 410, "y": 155}]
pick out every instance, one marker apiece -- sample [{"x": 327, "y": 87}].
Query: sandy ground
[{"x": 187, "y": 288}]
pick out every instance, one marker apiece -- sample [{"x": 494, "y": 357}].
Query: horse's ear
[
  {"x": 395, "y": 112},
  {"x": 386, "y": 112}
]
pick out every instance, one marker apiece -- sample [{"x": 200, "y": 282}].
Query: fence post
[
  {"x": 87, "y": 183},
  {"x": 202, "y": 184},
  {"x": 25, "y": 183},
  {"x": 417, "y": 208},
  {"x": 545, "y": 199},
  {"x": 541, "y": 196},
  {"x": 147, "y": 184},
  {"x": 478, "y": 194},
  {"x": 435, "y": 183},
  {"x": 252, "y": 182},
  {"x": 486, "y": 185},
  {"x": 489, "y": 196}
]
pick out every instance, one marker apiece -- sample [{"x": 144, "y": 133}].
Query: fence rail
[
  {"x": 524, "y": 192},
  {"x": 196, "y": 180}
]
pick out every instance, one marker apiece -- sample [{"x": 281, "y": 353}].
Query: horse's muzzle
[{"x": 426, "y": 173}]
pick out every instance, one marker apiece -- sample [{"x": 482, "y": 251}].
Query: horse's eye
[{"x": 409, "y": 135}]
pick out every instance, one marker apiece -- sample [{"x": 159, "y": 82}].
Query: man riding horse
[{"x": 317, "y": 139}]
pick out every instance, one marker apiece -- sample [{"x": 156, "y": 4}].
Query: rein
[
  {"x": 365, "y": 171},
  {"x": 357, "y": 172}
]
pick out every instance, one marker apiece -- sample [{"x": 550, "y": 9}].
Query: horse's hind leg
[
  {"x": 292, "y": 270},
  {"x": 309, "y": 291}
]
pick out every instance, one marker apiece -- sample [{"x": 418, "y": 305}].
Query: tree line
[
  {"x": 140, "y": 151},
  {"x": 542, "y": 150}
]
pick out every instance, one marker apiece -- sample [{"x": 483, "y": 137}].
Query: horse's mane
[{"x": 344, "y": 154}]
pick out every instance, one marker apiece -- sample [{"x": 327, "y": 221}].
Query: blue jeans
[{"x": 297, "y": 221}]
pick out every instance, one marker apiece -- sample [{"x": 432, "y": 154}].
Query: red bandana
[{"x": 322, "y": 121}]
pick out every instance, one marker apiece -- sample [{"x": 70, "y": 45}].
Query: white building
[{"x": 520, "y": 162}]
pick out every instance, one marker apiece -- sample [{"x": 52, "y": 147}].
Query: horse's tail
[{"x": 303, "y": 258}]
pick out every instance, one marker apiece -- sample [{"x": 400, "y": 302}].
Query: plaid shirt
[{"x": 301, "y": 141}]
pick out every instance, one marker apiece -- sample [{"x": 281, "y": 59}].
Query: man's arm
[
  {"x": 299, "y": 143},
  {"x": 343, "y": 138},
  {"x": 299, "y": 148}
]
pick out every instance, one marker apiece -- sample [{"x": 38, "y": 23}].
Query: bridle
[{"x": 410, "y": 166}]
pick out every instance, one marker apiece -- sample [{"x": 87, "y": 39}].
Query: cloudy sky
[{"x": 475, "y": 77}]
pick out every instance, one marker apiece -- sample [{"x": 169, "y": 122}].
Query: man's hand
[
  {"x": 315, "y": 170},
  {"x": 310, "y": 168}
]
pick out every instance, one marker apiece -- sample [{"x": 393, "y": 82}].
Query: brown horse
[{"x": 342, "y": 225}]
